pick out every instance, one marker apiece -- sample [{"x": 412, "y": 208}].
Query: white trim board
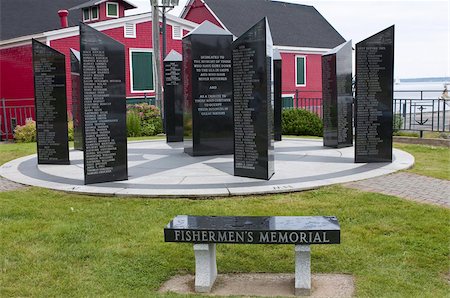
[
  {"x": 130, "y": 59},
  {"x": 304, "y": 71}
]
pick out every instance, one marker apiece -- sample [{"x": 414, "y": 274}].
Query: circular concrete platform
[{"x": 158, "y": 169}]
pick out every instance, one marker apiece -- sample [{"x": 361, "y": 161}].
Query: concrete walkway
[
  {"x": 7, "y": 185},
  {"x": 158, "y": 169},
  {"x": 408, "y": 186}
]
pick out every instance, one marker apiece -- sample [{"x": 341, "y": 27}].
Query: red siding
[
  {"x": 198, "y": 13},
  {"x": 313, "y": 86},
  {"x": 143, "y": 40},
  {"x": 16, "y": 73}
]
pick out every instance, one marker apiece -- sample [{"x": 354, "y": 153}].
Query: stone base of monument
[{"x": 265, "y": 284}]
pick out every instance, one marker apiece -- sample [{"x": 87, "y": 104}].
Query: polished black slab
[
  {"x": 337, "y": 97},
  {"x": 173, "y": 97},
  {"x": 253, "y": 102},
  {"x": 254, "y": 229},
  {"x": 277, "y": 99},
  {"x": 374, "y": 97},
  {"x": 208, "y": 111},
  {"x": 50, "y": 103},
  {"x": 103, "y": 106},
  {"x": 76, "y": 98}
]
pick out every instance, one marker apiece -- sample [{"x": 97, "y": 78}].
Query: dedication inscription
[
  {"x": 76, "y": 104},
  {"x": 49, "y": 68},
  {"x": 208, "y": 111},
  {"x": 253, "y": 101},
  {"x": 103, "y": 106},
  {"x": 173, "y": 97},
  {"x": 374, "y": 97},
  {"x": 254, "y": 229},
  {"x": 277, "y": 100},
  {"x": 337, "y": 96}
]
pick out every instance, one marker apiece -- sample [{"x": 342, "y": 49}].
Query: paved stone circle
[
  {"x": 408, "y": 186},
  {"x": 158, "y": 169}
]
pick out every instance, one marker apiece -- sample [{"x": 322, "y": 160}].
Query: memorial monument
[
  {"x": 337, "y": 96},
  {"x": 207, "y": 88},
  {"x": 252, "y": 100},
  {"x": 50, "y": 102},
  {"x": 76, "y": 105},
  {"x": 103, "y": 106},
  {"x": 374, "y": 97},
  {"x": 173, "y": 97},
  {"x": 277, "y": 99}
]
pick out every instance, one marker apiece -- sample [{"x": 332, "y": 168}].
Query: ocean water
[{"x": 419, "y": 90}]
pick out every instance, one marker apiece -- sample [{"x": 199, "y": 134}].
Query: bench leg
[
  {"x": 302, "y": 270},
  {"x": 205, "y": 267}
]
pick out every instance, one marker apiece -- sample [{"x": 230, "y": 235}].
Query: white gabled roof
[{"x": 48, "y": 36}]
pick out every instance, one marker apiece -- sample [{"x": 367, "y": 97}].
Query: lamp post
[{"x": 165, "y": 5}]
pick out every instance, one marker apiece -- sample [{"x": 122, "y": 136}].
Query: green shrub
[
  {"x": 133, "y": 124},
  {"x": 301, "y": 123},
  {"x": 398, "y": 123},
  {"x": 70, "y": 129},
  {"x": 150, "y": 119},
  {"x": 25, "y": 133}
]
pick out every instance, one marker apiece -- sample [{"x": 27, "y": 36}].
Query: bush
[
  {"x": 70, "y": 130},
  {"x": 133, "y": 124},
  {"x": 150, "y": 123},
  {"x": 25, "y": 133},
  {"x": 398, "y": 123},
  {"x": 301, "y": 123}
]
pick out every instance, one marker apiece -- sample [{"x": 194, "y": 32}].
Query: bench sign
[{"x": 254, "y": 230}]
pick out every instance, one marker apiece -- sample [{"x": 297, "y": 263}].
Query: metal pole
[
  {"x": 4, "y": 119},
  {"x": 164, "y": 52},
  {"x": 157, "y": 57}
]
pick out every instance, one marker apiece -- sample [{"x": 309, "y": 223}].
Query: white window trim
[
  {"x": 125, "y": 30},
  {"x": 304, "y": 69},
  {"x": 131, "y": 50},
  {"x": 89, "y": 14},
  {"x": 173, "y": 32},
  {"x": 98, "y": 13},
  {"x": 117, "y": 6}
]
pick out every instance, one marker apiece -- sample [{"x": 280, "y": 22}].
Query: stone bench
[{"x": 206, "y": 231}]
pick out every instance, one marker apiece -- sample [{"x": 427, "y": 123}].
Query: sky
[{"x": 422, "y": 29}]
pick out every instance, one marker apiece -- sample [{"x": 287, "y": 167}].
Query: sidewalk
[
  {"x": 408, "y": 186},
  {"x": 7, "y": 185}
]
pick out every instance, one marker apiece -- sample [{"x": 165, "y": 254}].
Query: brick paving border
[
  {"x": 408, "y": 186},
  {"x": 7, "y": 185}
]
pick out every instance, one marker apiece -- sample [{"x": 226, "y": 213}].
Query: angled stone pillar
[
  {"x": 302, "y": 270},
  {"x": 205, "y": 267}
]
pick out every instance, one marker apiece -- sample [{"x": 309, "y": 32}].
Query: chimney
[{"x": 63, "y": 17}]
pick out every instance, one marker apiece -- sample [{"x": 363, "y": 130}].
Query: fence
[{"x": 413, "y": 110}]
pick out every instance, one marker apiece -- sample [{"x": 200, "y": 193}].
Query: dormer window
[
  {"x": 86, "y": 14},
  {"x": 112, "y": 10},
  {"x": 94, "y": 13}
]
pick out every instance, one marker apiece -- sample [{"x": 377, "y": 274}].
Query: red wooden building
[{"x": 300, "y": 33}]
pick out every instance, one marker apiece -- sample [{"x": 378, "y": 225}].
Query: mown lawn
[{"x": 56, "y": 244}]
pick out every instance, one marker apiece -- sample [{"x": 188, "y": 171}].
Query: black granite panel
[
  {"x": 337, "y": 96},
  {"x": 254, "y": 229},
  {"x": 76, "y": 98},
  {"x": 374, "y": 97},
  {"x": 173, "y": 99},
  {"x": 50, "y": 102},
  {"x": 277, "y": 100},
  {"x": 208, "y": 112},
  {"x": 103, "y": 105},
  {"x": 253, "y": 101}
]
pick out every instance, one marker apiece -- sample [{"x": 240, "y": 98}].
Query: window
[
  {"x": 287, "y": 101},
  {"x": 112, "y": 9},
  {"x": 86, "y": 14},
  {"x": 141, "y": 70},
  {"x": 129, "y": 30},
  {"x": 176, "y": 32},
  {"x": 300, "y": 71},
  {"x": 94, "y": 13}
]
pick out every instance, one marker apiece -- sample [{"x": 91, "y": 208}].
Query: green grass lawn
[{"x": 56, "y": 244}]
